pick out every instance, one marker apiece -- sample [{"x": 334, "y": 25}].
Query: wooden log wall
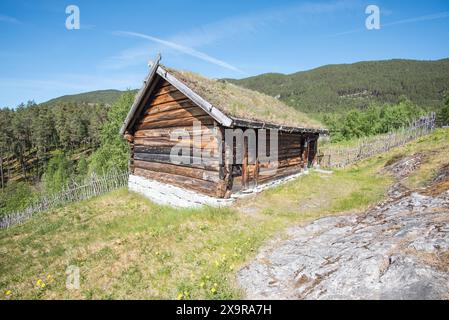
[
  {"x": 169, "y": 110},
  {"x": 290, "y": 160}
]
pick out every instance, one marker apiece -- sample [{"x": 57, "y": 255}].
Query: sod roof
[{"x": 242, "y": 103}]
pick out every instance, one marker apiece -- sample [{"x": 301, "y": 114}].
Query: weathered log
[
  {"x": 207, "y": 151},
  {"x": 187, "y": 121},
  {"x": 202, "y": 174},
  {"x": 192, "y": 111},
  {"x": 202, "y": 163},
  {"x": 166, "y": 132},
  {"x": 165, "y": 142},
  {"x": 170, "y": 106},
  {"x": 206, "y": 187},
  {"x": 170, "y": 97}
]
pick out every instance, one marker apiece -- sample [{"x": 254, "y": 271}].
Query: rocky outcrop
[{"x": 396, "y": 250}]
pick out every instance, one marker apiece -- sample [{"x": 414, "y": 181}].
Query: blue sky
[{"x": 40, "y": 59}]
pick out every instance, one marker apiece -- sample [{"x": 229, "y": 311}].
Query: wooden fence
[
  {"x": 331, "y": 156},
  {"x": 94, "y": 186}
]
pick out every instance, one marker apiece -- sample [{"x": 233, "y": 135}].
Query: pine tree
[
  {"x": 113, "y": 152},
  {"x": 444, "y": 113}
]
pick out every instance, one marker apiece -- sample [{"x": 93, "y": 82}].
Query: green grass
[{"x": 129, "y": 248}]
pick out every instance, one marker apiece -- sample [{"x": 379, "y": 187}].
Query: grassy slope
[
  {"x": 128, "y": 247},
  {"x": 336, "y": 88}
]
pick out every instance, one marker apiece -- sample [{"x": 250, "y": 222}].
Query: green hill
[
  {"x": 340, "y": 87},
  {"x": 335, "y": 88},
  {"x": 99, "y": 96}
]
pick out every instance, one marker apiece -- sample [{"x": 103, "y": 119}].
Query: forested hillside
[
  {"x": 342, "y": 87},
  {"x": 29, "y": 132},
  {"x": 101, "y": 96},
  {"x": 45, "y": 147}
]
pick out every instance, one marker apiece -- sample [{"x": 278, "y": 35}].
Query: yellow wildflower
[
  {"x": 180, "y": 295},
  {"x": 213, "y": 290},
  {"x": 40, "y": 283},
  {"x": 8, "y": 292},
  {"x": 202, "y": 284}
]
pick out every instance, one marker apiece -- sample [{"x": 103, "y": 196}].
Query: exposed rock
[
  {"x": 402, "y": 167},
  {"x": 396, "y": 250}
]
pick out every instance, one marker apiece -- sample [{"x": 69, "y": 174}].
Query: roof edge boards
[
  {"x": 214, "y": 112},
  {"x": 267, "y": 125},
  {"x": 140, "y": 95}
]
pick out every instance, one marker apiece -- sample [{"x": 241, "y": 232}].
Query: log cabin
[{"x": 227, "y": 134}]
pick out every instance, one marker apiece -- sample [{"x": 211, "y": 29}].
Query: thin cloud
[
  {"x": 8, "y": 19},
  {"x": 255, "y": 22},
  {"x": 129, "y": 57},
  {"x": 435, "y": 16},
  {"x": 250, "y": 24},
  {"x": 181, "y": 48},
  {"x": 440, "y": 15}
]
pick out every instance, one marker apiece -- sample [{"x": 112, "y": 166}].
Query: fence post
[{"x": 366, "y": 147}]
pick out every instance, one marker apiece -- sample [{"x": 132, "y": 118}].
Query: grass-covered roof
[{"x": 238, "y": 102}]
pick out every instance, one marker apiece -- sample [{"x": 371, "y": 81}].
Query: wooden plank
[
  {"x": 188, "y": 121},
  {"x": 175, "y": 105},
  {"x": 206, "y": 187},
  {"x": 245, "y": 123},
  {"x": 245, "y": 173},
  {"x": 145, "y": 91},
  {"x": 201, "y": 174},
  {"x": 237, "y": 184},
  {"x": 168, "y": 149},
  {"x": 168, "y": 97},
  {"x": 174, "y": 114},
  {"x": 266, "y": 176},
  {"x": 206, "y": 106},
  {"x": 167, "y": 89},
  {"x": 280, "y": 163},
  {"x": 205, "y": 131},
  {"x": 208, "y": 143},
  {"x": 202, "y": 163}
]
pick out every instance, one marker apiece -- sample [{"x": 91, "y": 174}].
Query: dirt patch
[
  {"x": 443, "y": 174},
  {"x": 394, "y": 159},
  {"x": 438, "y": 259},
  {"x": 401, "y": 167},
  {"x": 440, "y": 183}
]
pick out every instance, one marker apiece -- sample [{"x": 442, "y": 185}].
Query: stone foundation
[{"x": 166, "y": 194}]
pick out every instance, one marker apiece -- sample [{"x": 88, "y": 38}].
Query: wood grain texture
[
  {"x": 201, "y": 174},
  {"x": 206, "y": 187}
]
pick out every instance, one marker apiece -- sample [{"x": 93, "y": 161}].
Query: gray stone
[{"x": 389, "y": 252}]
